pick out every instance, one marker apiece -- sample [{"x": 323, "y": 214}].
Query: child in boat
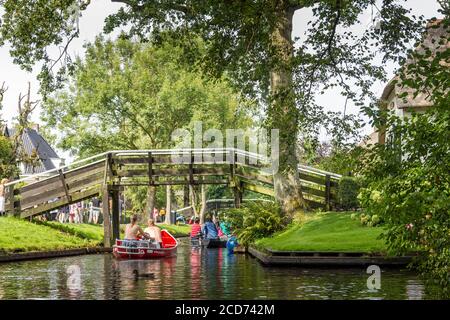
[
  {"x": 154, "y": 232},
  {"x": 133, "y": 231},
  {"x": 196, "y": 229}
]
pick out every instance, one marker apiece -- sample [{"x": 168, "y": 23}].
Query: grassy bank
[
  {"x": 95, "y": 232},
  {"x": 84, "y": 231},
  {"x": 327, "y": 232},
  {"x": 18, "y": 235},
  {"x": 182, "y": 230}
]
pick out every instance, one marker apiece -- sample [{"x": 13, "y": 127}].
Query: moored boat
[
  {"x": 214, "y": 243},
  {"x": 144, "y": 249}
]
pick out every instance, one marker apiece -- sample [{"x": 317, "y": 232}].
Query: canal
[{"x": 194, "y": 274}]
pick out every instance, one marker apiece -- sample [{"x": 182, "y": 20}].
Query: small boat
[
  {"x": 214, "y": 243},
  {"x": 145, "y": 249}
]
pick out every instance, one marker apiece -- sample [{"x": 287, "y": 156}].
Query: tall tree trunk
[
  {"x": 186, "y": 196},
  {"x": 193, "y": 200},
  {"x": 283, "y": 114},
  {"x": 151, "y": 197},
  {"x": 203, "y": 204},
  {"x": 168, "y": 204}
]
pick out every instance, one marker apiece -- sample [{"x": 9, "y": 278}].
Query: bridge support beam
[
  {"x": 14, "y": 206},
  {"x": 106, "y": 217},
  {"x": 328, "y": 192},
  {"x": 115, "y": 214}
]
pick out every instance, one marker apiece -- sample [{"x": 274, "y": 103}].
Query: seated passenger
[
  {"x": 196, "y": 229},
  {"x": 225, "y": 226},
  {"x": 209, "y": 229},
  {"x": 154, "y": 232},
  {"x": 133, "y": 231}
]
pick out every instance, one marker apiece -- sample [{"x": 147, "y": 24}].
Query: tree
[
  {"x": 407, "y": 180},
  {"x": 7, "y": 170},
  {"x": 251, "y": 42},
  {"x": 127, "y": 95},
  {"x": 12, "y": 151}
]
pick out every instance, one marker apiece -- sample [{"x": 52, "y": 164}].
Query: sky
[{"x": 91, "y": 24}]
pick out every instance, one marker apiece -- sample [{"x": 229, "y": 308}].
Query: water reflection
[
  {"x": 195, "y": 273},
  {"x": 414, "y": 290}
]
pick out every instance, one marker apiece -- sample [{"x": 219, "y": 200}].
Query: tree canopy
[
  {"x": 248, "y": 40},
  {"x": 127, "y": 95}
]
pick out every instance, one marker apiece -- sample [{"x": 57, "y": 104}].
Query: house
[
  {"x": 391, "y": 98},
  {"x": 42, "y": 157}
]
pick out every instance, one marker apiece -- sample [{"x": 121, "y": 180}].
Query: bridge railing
[{"x": 84, "y": 178}]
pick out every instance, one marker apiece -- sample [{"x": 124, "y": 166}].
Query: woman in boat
[
  {"x": 209, "y": 229},
  {"x": 133, "y": 231},
  {"x": 154, "y": 232}
]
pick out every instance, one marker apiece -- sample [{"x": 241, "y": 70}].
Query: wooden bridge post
[
  {"x": 106, "y": 217},
  {"x": 236, "y": 183},
  {"x": 105, "y": 203},
  {"x": 13, "y": 209},
  {"x": 191, "y": 169},
  {"x": 115, "y": 214},
  {"x": 150, "y": 169},
  {"x": 328, "y": 192},
  {"x": 64, "y": 185}
]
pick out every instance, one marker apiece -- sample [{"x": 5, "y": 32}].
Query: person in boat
[
  {"x": 225, "y": 227},
  {"x": 196, "y": 229},
  {"x": 133, "y": 231},
  {"x": 209, "y": 229},
  {"x": 154, "y": 232}
]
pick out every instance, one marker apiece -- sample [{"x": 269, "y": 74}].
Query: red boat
[{"x": 144, "y": 249}]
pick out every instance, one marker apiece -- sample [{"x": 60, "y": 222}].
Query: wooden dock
[{"x": 326, "y": 259}]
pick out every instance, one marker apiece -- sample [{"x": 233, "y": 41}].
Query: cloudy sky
[{"x": 91, "y": 24}]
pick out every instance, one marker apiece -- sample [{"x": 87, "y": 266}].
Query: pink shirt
[{"x": 195, "y": 229}]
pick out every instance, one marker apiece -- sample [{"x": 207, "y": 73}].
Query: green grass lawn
[
  {"x": 332, "y": 231},
  {"x": 181, "y": 230},
  {"x": 18, "y": 235},
  {"x": 85, "y": 231},
  {"x": 95, "y": 232}
]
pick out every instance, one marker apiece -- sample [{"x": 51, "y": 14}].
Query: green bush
[
  {"x": 376, "y": 220},
  {"x": 348, "y": 193},
  {"x": 255, "y": 220},
  {"x": 364, "y": 219}
]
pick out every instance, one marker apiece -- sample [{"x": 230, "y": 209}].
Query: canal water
[{"x": 194, "y": 274}]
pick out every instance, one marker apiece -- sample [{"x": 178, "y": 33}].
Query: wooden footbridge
[{"x": 106, "y": 174}]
